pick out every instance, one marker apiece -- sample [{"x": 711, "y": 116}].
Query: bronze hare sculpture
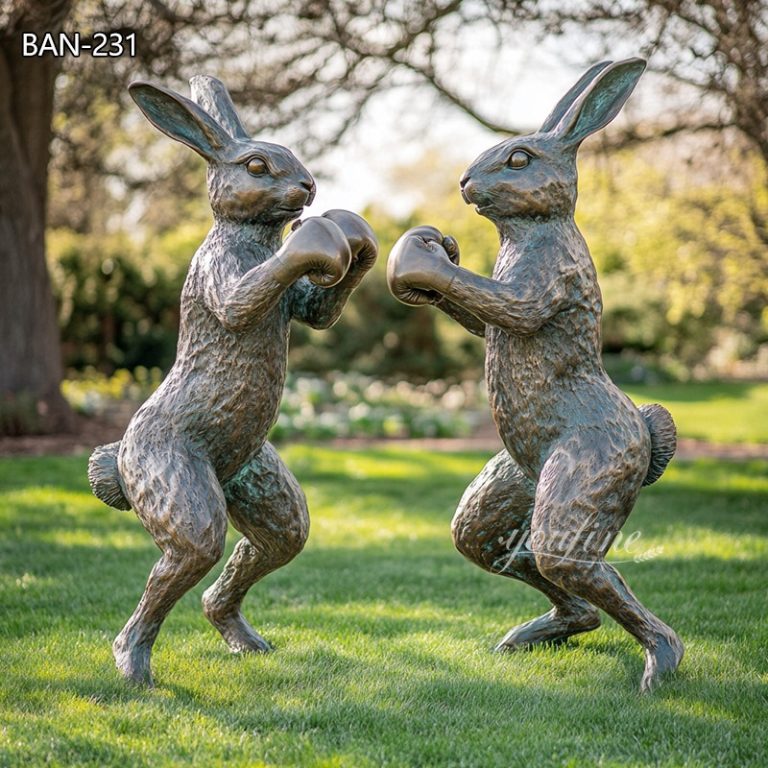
[
  {"x": 196, "y": 452},
  {"x": 577, "y": 450}
]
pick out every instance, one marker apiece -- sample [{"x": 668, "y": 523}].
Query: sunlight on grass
[
  {"x": 728, "y": 412},
  {"x": 383, "y": 633},
  {"x": 708, "y": 475},
  {"x": 682, "y": 542}
]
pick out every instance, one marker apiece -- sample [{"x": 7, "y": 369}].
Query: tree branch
[{"x": 453, "y": 98}]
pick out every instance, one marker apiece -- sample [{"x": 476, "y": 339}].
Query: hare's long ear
[
  {"x": 600, "y": 102},
  {"x": 556, "y": 115},
  {"x": 180, "y": 118},
  {"x": 214, "y": 98}
]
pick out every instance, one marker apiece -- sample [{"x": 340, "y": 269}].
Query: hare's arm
[
  {"x": 462, "y": 316},
  {"x": 420, "y": 270},
  {"x": 319, "y": 248},
  {"x": 520, "y": 304},
  {"x": 240, "y": 302}
]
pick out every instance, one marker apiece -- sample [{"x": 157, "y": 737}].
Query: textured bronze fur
[
  {"x": 577, "y": 451},
  {"x": 196, "y": 453}
]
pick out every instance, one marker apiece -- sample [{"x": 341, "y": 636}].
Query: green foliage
[
  {"x": 119, "y": 308},
  {"x": 683, "y": 265},
  {"x": 118, "y": 304},
  {"x": 683, "y": 260},
  {"x": 378, "y": 335},
  {"x": 383, "y": 633},
  {"x": 18, "y": 414},
  {"x": 93, "y": 393}
]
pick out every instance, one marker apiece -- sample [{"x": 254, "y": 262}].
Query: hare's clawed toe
[
  {"x": 132, "y": 660},
  {"x": 552, "y": 628},
  {"x": 661, "y": 660}
]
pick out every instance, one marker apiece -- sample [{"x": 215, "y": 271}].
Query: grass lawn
[
  {"x": 720, "y": 412},
  {"x": 383, "y": 633}
]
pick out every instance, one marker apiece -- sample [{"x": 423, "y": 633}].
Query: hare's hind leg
[
  {"x": 585, "y": 493},
  {"x": 491, "y": 528},
  {"x": 180, "y": 502},
  {"x": 267, "y": 505}
]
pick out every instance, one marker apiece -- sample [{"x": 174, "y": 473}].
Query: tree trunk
[{"x": 30, "y": 354}]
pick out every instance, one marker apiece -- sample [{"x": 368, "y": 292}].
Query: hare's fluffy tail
[
  {"x": 104, "y": 476},
  {"x": 663, "y": 439}
]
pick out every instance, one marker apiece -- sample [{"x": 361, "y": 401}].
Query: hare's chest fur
[
  {"x": 544, "y": 383},
  {"x": 535, "y": 385}
]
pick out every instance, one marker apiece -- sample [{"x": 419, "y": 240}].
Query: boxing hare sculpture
[
  {"x": 577, "y": 451},
  {"x": 196, "y": 452}
]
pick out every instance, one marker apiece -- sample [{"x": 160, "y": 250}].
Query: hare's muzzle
[{"x": 299, "y": 196}]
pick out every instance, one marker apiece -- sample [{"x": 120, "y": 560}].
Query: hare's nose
[
  {"x": 309, "y": 185},
  {"x": 465, "y": 187}
]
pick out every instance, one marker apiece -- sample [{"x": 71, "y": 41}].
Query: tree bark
[{"x": 30, "y": 354}]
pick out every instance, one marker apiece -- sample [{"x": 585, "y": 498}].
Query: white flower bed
[{"x": 319, "y": 408}]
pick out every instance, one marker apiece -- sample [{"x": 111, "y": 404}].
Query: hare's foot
[
  {"x": 553, "y": 628},
  {"x": 238, "y": 634},
  {"x": 132, "y": 659},
  {"x": 661, "y": 659}
]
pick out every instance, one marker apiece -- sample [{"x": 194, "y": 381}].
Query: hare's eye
[
  {"x": 256, "y": 166},
  {"x": 519, "y": 159}
]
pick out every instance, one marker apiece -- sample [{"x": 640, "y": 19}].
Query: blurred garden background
[
  {"x": 386, "y": 102},
  {"x": 382, "y": 629}
]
